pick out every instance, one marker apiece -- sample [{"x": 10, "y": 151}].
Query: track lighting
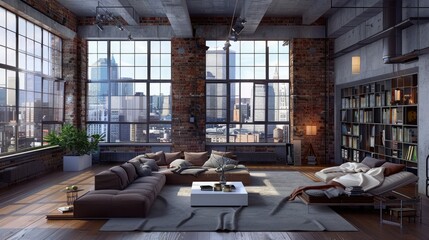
[
  {"x": 130, "y": 37},
  {"x": 120, "y": 27}
]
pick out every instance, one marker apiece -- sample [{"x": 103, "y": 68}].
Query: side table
[
  {"x": 72, "y": 195},
  {"x": 400, "y": 206}
]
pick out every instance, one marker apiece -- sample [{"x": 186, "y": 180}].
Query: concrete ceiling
[{"x": 179, "y": 12}]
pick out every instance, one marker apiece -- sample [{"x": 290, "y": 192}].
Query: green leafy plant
[{"x": 75, "y": 141}]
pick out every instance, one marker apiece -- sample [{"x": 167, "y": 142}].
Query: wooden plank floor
[{"x": 23, "y": 210}]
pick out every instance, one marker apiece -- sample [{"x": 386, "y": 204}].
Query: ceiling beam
[
  {"x": 253, "y": 11},
  {"x": 317, "y": 10},
  {"x": 121, "y": 8},
  {"x": 178, "y": 15}
]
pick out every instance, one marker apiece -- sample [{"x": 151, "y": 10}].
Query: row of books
[{"x": 411, "y": 154}]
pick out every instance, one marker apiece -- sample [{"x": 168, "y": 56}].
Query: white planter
[{"x": 76, "y": 163}]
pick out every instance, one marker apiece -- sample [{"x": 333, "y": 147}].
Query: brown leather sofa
[{"x": 120, "y": 192}]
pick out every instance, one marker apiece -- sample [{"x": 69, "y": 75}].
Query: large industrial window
[
  {"x": 31, "y": 90},
  {"x": 129, "y": 90},
  {"x": 247, "y": 92}
]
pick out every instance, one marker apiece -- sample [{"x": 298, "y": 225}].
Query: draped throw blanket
[
  {"x": 348, "y": 167},
  {"x": 195, "y": 171},
  {"x": 367, "y": 180}
]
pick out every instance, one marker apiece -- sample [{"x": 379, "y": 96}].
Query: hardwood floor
[{"x": 23, "y": 210}]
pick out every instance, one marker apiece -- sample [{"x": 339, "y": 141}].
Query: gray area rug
[{"x": 267, "y": 211}]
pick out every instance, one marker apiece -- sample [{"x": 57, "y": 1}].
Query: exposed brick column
[
  {"x": 312, "y": 90},
  {"x": 188, "y": 90},
  {"x": 75, "y": 75}
]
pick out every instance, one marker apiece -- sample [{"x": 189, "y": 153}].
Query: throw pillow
[
  {"x": 146, "y": 170},
  {"x": 225, "y": 154},
  {"x": 180, "y": 163},
  {"x": 159, "y": 157},
  {"x": 170, "y": 157},
  {"x": 196, "y": 158},
  {"x": 216, "y": 161},
  {"x": 131, "y": 171},
  {"x": 150, "y": 162},
  {"x": 372, "y": 162},
  {"x": 138, "y": 166},
  {"x": 392, "y": 168},
  {"x": 122, "y": 174}
]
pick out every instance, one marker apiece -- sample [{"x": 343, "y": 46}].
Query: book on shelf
[
  {"x": 409, "y": 155},
  {"x": 414, "y": 154}
]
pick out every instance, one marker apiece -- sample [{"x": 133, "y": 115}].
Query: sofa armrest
[{"x": 107, "y": 180}]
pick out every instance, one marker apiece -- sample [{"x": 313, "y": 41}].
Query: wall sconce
[
  {"x": 311, "y": 130},
  {"x": 311, "y": 155},
  {"x": 356, "y": 65}
]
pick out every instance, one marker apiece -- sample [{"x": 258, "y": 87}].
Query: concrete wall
[{"x": 373, "y": 68}]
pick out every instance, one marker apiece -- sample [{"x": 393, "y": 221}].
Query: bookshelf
[{"x": 379, "y": 119}]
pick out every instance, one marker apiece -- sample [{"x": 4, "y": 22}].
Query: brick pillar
[
  {"x": 312, "y": 90},
  {"x": 188, "y": 91},
  {"x": 75, "y": 75}
]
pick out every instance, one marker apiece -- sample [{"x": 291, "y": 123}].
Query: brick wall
[
  {"x": 55, "y": 11},
  {"x": 75, "y": 75},
  {"x": 188, "y": 87},
  {"x": 312, "y": 90}
]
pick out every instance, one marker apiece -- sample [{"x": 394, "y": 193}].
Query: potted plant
[{"x": 77, "y": 144}]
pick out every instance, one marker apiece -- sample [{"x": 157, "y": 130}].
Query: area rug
[{"x": 268, "y": 210}]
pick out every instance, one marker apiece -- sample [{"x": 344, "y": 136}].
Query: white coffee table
[{"x": 237, "y": 197}]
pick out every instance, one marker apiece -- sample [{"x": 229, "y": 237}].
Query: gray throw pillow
[
  {"x": 196, "y": 158},
  {"x": 372, "y": 162},
  {"x": 225, "y": 154},
  {"x": 180, "y": 163},
  {"x": 159, "y": 158},
  {"x": 150, "y": 162},
  {"x": 216, "y": 161},
  {"x": 145, "y": 170},
  {"x": 170, "y": 157},
  {"x": 139, "y": 167}
]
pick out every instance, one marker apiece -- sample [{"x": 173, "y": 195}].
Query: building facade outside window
[
  {"x": 247, "y": 92},
  {"x": 129, "y": 90},
  {"x": 31, "y": 90}
]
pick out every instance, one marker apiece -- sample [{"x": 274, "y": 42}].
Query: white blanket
[
  {"x": 367, "y": 180},
  {"x": 348, "y": 167}
]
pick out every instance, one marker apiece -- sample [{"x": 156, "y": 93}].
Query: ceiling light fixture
[{"x": 105, "y": 17}]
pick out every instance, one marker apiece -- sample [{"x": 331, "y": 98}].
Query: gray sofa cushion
[
  {"x": 122, "y": 174},
  {"x": 372, "y": 162},
  {"x": 131, "y": 172}
]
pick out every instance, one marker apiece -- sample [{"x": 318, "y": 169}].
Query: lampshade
[
  {"x": 356, "y": 65},
  {"x": 311, "y": 130}
]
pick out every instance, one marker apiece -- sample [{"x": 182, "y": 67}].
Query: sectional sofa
[{"x": 129, "y": 190}]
